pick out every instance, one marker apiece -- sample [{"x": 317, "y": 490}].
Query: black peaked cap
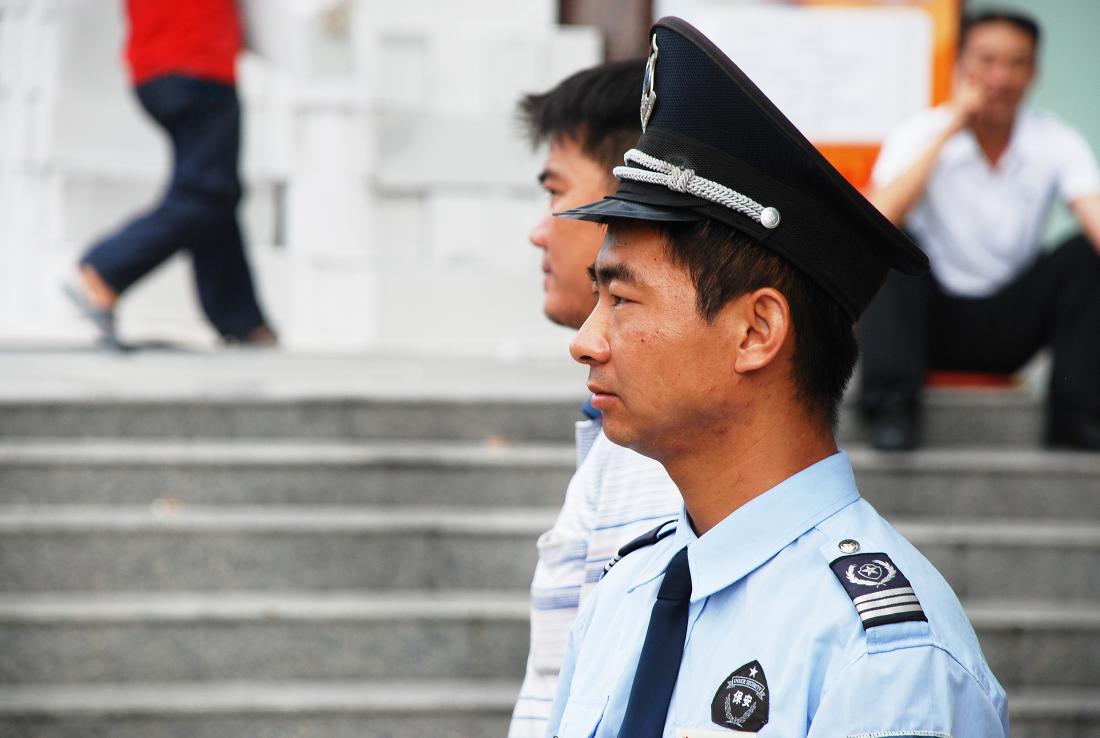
[{"x": 709, "y": 118}]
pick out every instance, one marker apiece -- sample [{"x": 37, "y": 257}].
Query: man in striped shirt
[{"x": 588, "y": 120}]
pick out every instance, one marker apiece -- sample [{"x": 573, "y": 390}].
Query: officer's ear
[{"x": 762, "y": 321}]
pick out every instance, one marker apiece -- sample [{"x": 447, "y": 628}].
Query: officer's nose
[{"x": 590, "y": 345}]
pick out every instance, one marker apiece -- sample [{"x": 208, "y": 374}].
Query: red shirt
[{"x": 197, "y": 38}]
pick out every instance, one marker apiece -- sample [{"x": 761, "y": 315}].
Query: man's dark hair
[
  {"x": 1022, "y": 21},
  {"x": 725, "y": 264},
  {"x": 596, "y": 107}
]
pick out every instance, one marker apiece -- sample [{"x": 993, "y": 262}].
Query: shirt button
[{"x": 848, "y": 546}]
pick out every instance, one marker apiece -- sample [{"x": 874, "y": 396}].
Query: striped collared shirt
[{"x": 614, "y": 496}]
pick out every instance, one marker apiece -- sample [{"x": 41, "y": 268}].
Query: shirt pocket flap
[{"x": 581, "y": 717}]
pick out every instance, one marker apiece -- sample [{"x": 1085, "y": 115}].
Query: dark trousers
[
  {"x": 198, "y": 211},
  {"x": 913, "y": 326}
]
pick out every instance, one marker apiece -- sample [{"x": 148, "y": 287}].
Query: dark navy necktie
[{"x": 659, "y": 664}]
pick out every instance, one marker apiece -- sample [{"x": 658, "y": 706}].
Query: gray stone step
[
  {"x": 270, "y": 636},
  {"x": 1034, "y": 560},
  {"x": 1057, "y": 712},
  {"x": 953, "y": 417},
  {"x": 401, "y": 635},
  {"x": 284, "y": 472},
  {"x": 967, "y": 482},
  {"x": 1040, "y": 643},
  {"x": 979, "y": 482},
  {"x": 163, "y": 548},
  {"x": 274, "y": 417},
  {"x": 336, "y": 709},
  {"x": 330, "y": 709}
]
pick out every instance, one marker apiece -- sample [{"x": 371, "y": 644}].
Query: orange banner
[{"x": 855, "y": 160}]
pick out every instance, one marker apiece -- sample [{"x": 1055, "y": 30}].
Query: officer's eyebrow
[{"x": 611, "y": 272}]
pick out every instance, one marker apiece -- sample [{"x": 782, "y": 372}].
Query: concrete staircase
[{"x": 356, "y": 566}]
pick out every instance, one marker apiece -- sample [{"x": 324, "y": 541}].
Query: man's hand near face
[
  {"x": 966, "y": 103},
  {"x": 897, "y": 198}
]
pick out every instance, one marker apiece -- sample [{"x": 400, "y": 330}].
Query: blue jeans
[{"x": 198, "y": 211}]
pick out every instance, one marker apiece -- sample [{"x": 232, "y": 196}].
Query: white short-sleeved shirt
[
  {"x": 981, "y": 225},
  {"x": 614, "y": 496},
  {"x": 809, "y": 616}
]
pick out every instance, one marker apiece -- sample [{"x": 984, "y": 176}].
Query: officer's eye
[{"x": 616, "y": 300}]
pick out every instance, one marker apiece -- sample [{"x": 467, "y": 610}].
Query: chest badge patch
[{"x": 741, "y": 702}]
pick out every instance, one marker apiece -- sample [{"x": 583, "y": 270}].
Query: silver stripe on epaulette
[
  {"x": 895, "y": 592},
  {"x": 680, "y": 179},
  {"x": 875, "y": 614},
  {"x": 888, "y": 602}
]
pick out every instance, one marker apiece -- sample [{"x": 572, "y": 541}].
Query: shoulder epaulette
[
  {"x": 646, "y": 539},
  {"x": 880, "y": 592}
]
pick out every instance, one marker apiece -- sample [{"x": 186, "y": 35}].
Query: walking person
[{"x": 182, "y": 62}]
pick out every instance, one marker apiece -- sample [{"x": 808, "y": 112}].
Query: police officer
[{"x": 780, "y": 602}]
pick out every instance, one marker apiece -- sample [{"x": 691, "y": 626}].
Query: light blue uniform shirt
[{"x": 764, "y": 595}]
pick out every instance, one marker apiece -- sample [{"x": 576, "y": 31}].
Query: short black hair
[
  {"x": 596, "y": 107},
  {"x": 1020, "y": 20},
  {"x": 724, "y": 264}
]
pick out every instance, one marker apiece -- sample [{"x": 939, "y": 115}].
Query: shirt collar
[
  {"x": 760, "y": 528},
  {"x": 963, "y": 148}
]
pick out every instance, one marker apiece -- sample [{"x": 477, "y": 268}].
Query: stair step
[
  {"x": 165, "y": 548},
  {"x": 335, "y": 709},
  {"x": 349, "y": 417},
  {"x": 284, "y": 472},
  {"x": 952, "y": 417},
  {"x": 402, "y": 635},
  {"x": 966, "y": 482},
  {"x": 332, "y": 635},
  {"x": 1054, "y": 712},
  {"x": 1008, "y": 558},
  {"x": 1040, "y": 644},
  {"x": 328, "y": 709},
  {"x": 978, "y": 482}
]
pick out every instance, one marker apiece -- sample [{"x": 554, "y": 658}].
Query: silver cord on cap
[{"x": 682, "y": 179}]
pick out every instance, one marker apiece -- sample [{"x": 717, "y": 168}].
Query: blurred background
[
  {"x": 388, "y": 191},
  {"x": 335, "y": 538}
]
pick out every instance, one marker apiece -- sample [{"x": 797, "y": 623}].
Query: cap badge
[
  {"x": 649, "y": 90},
  {"x": 741, "y": 701}
]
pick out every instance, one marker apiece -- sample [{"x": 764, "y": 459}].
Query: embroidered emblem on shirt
[
  {"x": 875, "y": 573},
  {"x": 741, "y": 701},
  {"x": 881, "y": 594}
]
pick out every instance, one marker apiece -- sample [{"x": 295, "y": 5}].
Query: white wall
[{"x": 389, "y": 188}]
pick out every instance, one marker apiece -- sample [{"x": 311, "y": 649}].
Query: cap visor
[{"x": 611, "y": 207}]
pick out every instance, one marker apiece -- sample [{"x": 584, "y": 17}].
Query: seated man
[
  {"x": 736, "y": 262},
  {"x": 973, "y": 182},
  {"x": 588, "y": 119}
]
